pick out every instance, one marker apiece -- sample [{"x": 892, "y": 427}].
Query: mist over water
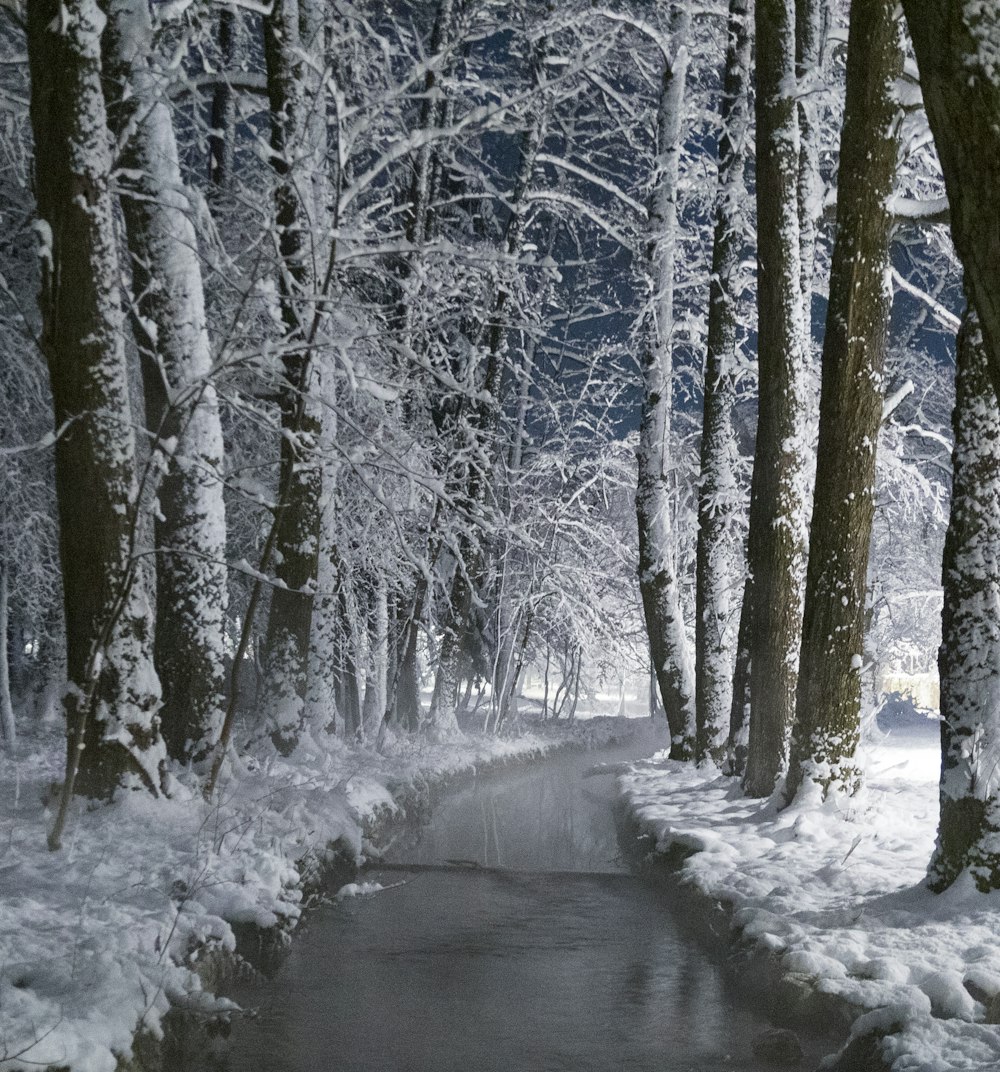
[{"x": 473, "y": 971}]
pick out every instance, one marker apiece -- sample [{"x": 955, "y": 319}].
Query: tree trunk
[
  {"x": 114, "y": 693},
  {"x": 955, "y": 46},
  {"x": 376, "y": 672},
  {"x": 222, "y": 136},
  {"x": 969, "y": 658},
  {"x": 739, "y": 714},
  {"x": 718, "y": 498},
  {"x": 811, "y": 18},
  {"x": 182, "y": 409},
  {"x": 828, "y": 709},
  {"x": 293, "y": 31},
  {"x": 7, "y": 727},
  {"x": 777, "y": 540},
  {"x": 658, "y": 581}
]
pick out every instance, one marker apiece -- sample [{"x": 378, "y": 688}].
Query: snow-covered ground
[
  {"x": 835, "y": 892},
  {"x": 98, "y": 940}
]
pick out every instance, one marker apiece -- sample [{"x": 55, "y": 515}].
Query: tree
[
  {"x": 827, "y": 724},
  {"x": 969, "y": 656},
  {"x": 293, "y": 53},
  {"x": 489, "y": 337},
  {"x": 956, "y": 47},
  {"x": 658, "y": 581},
  {"x": 811, "y": 18},
  {"x": 182, "y": 411},
  {"x": 718, "y": 501},
  {"x": 114, "y": 693},
  {"x": 777, "y": 538}
]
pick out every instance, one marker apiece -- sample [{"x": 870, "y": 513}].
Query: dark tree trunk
[
  {"x": 222, "y": 136},
  {"x": 969, "y": 658},
  {"x": 289, "y": 35},
  {"x": 718, "y": 498},
  {"x": 777, "y": 539},
  {"x": 961, "y": 89},
  {"x": 828, "y": 710},
  {"x": 7, "y": 728},
  {"x": 810, "y": 28},
  {"x": 739, "y": 714},
  {"x": 111, "y": 704}
]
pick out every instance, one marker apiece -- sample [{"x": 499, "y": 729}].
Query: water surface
[{"x": 562, "y": 960}]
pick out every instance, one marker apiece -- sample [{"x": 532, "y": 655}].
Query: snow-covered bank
[
  {"x": 99, "y": 941},
  {"x": 832, "y": 895}
]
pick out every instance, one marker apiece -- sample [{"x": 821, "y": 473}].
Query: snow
[
  {"x": 834, "y": 890},
  {"x": 358, "y": 889},
  {"x": 99, "y": 940}
]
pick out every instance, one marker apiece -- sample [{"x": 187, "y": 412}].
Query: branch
[
  {"x": 892, "y": 401},
  {"x": 945, "y": 317}
]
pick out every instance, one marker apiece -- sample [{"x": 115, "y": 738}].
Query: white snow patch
[{"x": 837, "y": 892}]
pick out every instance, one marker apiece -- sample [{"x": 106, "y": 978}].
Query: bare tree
[
  {"x": 114, "y": 693},
  {"x": 654, "y": 501},
  {"x": 828, "y": 710},
  {"x": 777, "y": 538},
  {"x": 182, "y": 411},
  {"x": 970, "y": 645},
  {"x": 719, "y": 500}
]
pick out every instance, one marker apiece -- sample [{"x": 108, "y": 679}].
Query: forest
[{"x": 381, "y": 376}]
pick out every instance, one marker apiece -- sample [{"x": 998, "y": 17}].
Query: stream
[{"x": 549, "y": 955}]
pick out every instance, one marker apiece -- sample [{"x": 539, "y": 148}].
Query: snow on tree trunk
[
  {"x": 7, "y": 728},
  {"x": 811, "y": 17},
  {"x": 113, "y": 690},
  {"x": 778, "y": 495},
  {"x": 957, "y": 45},
  {"x": 292, "y": 39},
  {"x": 182, "y": 409},
  {"x": 718, "y": 498},
  {"x": 658, "y": 581},
  {"x": 739, "y": 713},
  {"x": 969, "y": 657},
  {"x": 442, "y": 717},
  {"x": 828, "y": 710},
  {"x": 321, "y": 712},
  {"x": 376, "y": 659}
]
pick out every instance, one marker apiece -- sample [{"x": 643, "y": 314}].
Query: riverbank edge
[
  {"x": 259, "y": 950},
  {"x": 789, "y": 999}
]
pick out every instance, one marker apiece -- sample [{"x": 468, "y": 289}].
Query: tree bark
[
  {"x": 718, "y": 498},
  {"x": 828, "y": 708},
  {"x": 182, "y": 409},
  {"x": 739, "y": 714},
  {"x": 955, "y": 45},
  {"x": 7, "y": 727},
  {"x": 658, "y": 581},
  {"x": 969, "y": 657},
  {"x": 292, "y": 30},
  {"x": 221, "y": 138},
  {"x": 114, "y": 693},
  {"x": 810, "y": 28},
  {"x": 777, "y": 539}
]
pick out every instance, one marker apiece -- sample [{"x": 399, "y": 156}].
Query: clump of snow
[
  {"x": 99, "y": 940},
  {"x": 358, "y": 889},
  {"x": 835, "y": 890}
]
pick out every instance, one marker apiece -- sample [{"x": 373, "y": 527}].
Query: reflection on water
[
  {"x": 548, "y": 818},
  {"x": 473, "y": 972}
]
